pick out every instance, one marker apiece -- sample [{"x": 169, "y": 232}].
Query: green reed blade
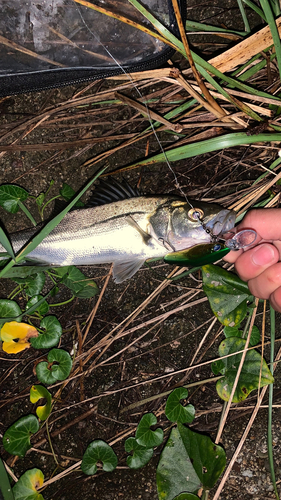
[{"x": 273, "y": 28}]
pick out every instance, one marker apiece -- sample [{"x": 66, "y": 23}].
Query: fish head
[{"x": 182, "y": 225}]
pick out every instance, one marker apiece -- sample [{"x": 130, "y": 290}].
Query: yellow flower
[{"x": 15, "y": 336}]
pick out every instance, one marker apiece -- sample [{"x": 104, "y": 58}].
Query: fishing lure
[{"x": 207, "y": 253}]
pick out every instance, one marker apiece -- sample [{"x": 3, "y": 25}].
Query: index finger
[{"x": 266, "y": 221}]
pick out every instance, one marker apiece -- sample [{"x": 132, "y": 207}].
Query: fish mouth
[{"x": 222, "y": 223}]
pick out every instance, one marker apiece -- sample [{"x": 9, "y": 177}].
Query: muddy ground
[{"x": 85, "y": 411}]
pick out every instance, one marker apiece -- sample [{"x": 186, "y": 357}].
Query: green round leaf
[
  {"x": 235, "y": 332},
  {"x": 51, "y": 336},
  {"x": 141, "y": 454},
  {"x": 10, "y": 195},
  {"x": 16, "y": 439},
  {"x": 27, "y": 485},
  {"x": 255, "y": 336},
  {"x": 77, "y": 282},
  {"x": 68, "y": 193},
  {"x": 90, "y": 289},
  {"x": 35, "y": 284},
  {"x": 250, "y": 374},
  {"x": 147, "y": 437},
  {"x": 218, "y": 367},
  {"x": 227, "y": 294},
  {"x": 40, "y": 199},
  {"x": 175, "y": 472},
  {"x": 38, "y": 392},
  {"x": 32, "y": 284},
  {"x": 174, "y": 410},
  {"x": 9, "y": 311},
  {"x": 207, "y": 458},
  {"x": 61, "y": 271},
  {"x": 98, "y": 451},
  {"x": 49, "y": 373},
  {"x": 189, "y": 460},
  {"x": 42, "y": 308},
  {"x": 232, "y": 331}
]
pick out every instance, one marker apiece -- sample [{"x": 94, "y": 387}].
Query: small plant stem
[
  {"x": 166, "y": 393},
  {"x": 30, "y": 318},
  {"x": 27, "y": 213},
  {"x": 222, "y": 414},
  {"x": 270, "y": 401},
  {"x": 13, "y": 295},
  {"x": 41, "y": 211},
  {"x": 245, "y": 331},
  {"x": 50, "y": 443},
  {"x": 52, "y": 276},
  {"x": 14, "y": 292},
  {"x": 63, "y": 303}
]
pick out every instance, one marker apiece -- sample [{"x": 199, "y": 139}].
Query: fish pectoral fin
[
  {"x": 145, "y": 236},
  {"x": 123, "y": 270}
]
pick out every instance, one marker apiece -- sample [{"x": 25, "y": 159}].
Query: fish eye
[{"x": 195, "y": 214}]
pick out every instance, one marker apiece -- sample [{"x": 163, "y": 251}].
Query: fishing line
[{"x": 141, "y": 96}]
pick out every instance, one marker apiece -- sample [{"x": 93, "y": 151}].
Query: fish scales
[
  {"x": 126, "y": 233},
  {"x": 100, "y": 235},
  {"x": 96, "y": 234}
]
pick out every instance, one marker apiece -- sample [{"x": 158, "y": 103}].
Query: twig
[
  {"x": 198, "y": 78},
  {"x": 80, "y": 348},
  {"x": 143, "y": 109},
  {"x": 90, "y": 319}
]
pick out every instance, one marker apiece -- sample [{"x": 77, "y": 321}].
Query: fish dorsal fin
[
  {"x": 112, "y": 190},
  {"x": 123, "y": 270}
]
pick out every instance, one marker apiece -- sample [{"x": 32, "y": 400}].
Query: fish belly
[{"x": 96, "y": 245}]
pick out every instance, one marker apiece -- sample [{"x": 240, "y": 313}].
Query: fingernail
[{"x": 263, "y": 254}]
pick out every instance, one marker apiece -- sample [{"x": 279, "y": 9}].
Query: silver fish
[{"x": 126, "y": 231}]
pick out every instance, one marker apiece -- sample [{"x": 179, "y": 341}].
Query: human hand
[{"x": 260, "y": 266}]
